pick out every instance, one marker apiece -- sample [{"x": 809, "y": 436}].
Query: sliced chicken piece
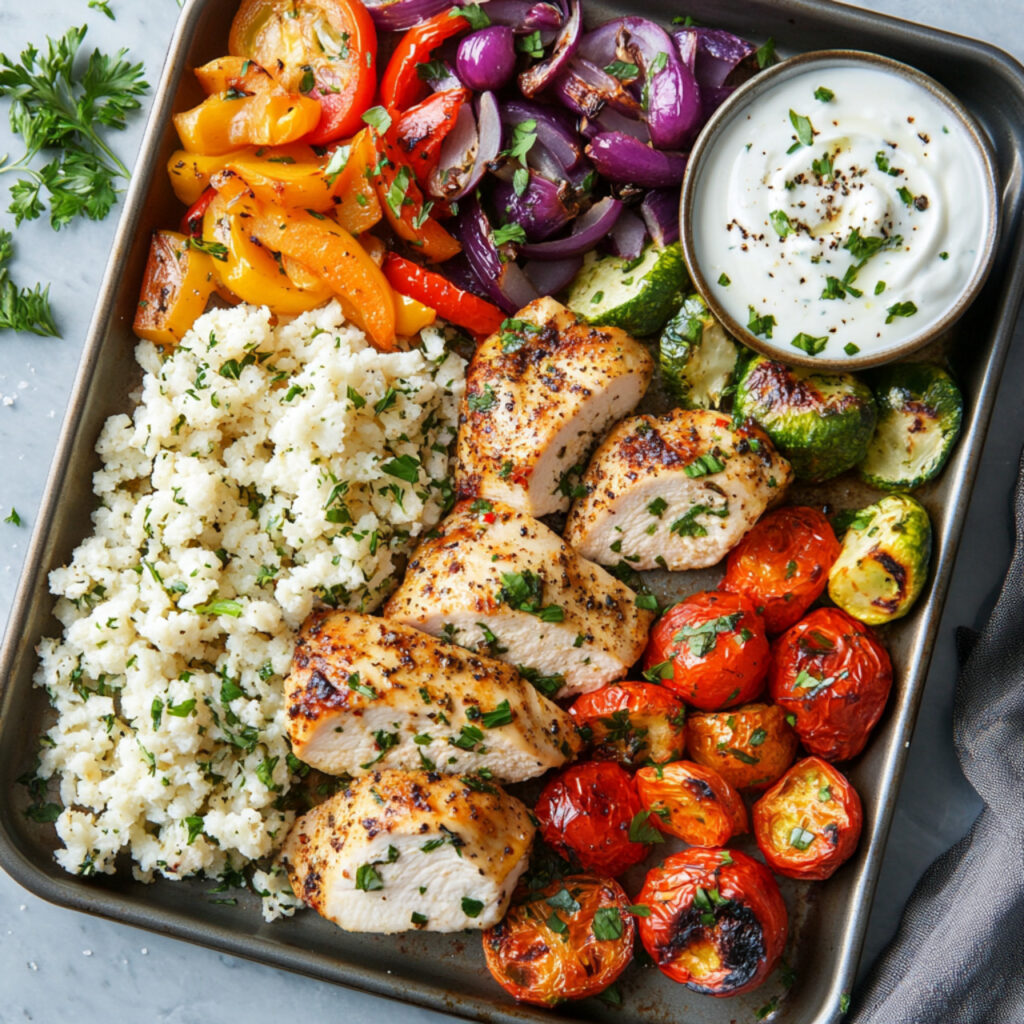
[
  {"x": 402, "y": 850},
  {"x": 493, "y": 579},
  {"x": 539, "y": 392},
  {"x": 367, "y": 693},
  {"x": 676, "y": 491}
]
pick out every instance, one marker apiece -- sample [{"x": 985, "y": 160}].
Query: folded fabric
[{"x": 958, "y": 957}]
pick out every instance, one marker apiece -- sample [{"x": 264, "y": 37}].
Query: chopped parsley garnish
[
  {"x": 473, "y": 13},
  {"x": 687, "y": 526},
  {"x": 800, "y": 838},
  {"x": 823, "y": 168},
  {"x": 524, "y": 135},
  {"x": 657, "y": 506},
  {"x": 225, "y": 607},
  {"x": 505, "y": 233},
  {"x": 405, "y": 467},
  {"x": 851, "y": 349},
  {"x": 702, "y": 640},
  {"x": 900, "y": 309},
  {"x": 823, "y": 94},
  {"x": 781, "y": 222},
  {"x": 378, "y": 118},
  {"x": 825, "y": 794},
  {"x": 703, "y": 465},
  {"x": 471, "y": 907},
  {"x": 363, "y": 689},
  {"x": 13, "y": 518},
  {"x": 607, "y": 924},
  {"x": 368, "y": 878},
  {"x": 724, "y": 280},
  {"x": 810, "y": 344},
  {"x": 760, "y": 325},
  {"x": 639, "y": 909},
  {"x": 523, "y": 591},
  {"x": 622, "y": 70},
  {"x": 803, "y": 127},
  {"x": 641, "y": 830},
  {"x": 765, "y": 54},
  {"x": 482, "y": 401},
  {"x": 531, "y": 44},
  {"x": 501, "y": 715},
  {"x": 563, "y": 900}
]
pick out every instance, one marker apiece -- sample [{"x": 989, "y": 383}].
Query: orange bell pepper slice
[
  {"x": 244, "y": 106},
  {"x": 403, "y": 204},
  {"x": 250, "y": 272},
  {"x": 357, "y": 208},
  {"x": 190, "y": 173},
  {"x": 176, "y": 285},
  {"x": 292, "y": 176},
  {"x": 327, "y": 250}
]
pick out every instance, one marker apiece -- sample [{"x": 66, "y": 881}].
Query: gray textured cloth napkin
[{"x": 958, "y": 957}]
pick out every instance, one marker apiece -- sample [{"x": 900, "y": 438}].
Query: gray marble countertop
[{"x": 57, "y": 965}]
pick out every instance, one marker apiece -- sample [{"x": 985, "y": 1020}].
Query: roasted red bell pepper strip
[
  {"x": 401, "y": 85},
  {"x": 420, "y": 131},
  {"x": 192, "y": 222},
  {"x": 452, "y": 303}
]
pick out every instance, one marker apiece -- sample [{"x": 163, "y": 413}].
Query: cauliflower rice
[{"x": 265, "y": 469}]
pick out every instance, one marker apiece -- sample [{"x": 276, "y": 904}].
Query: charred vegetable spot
[
  {"x": 898, "y": 573},
  {"x": 700, "y": 789},
  {"x": 736, "y": 936},
  {"x": 774, "y": 385}
]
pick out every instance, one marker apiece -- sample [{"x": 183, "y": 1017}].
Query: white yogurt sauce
[{"x": 847, "y": 203}]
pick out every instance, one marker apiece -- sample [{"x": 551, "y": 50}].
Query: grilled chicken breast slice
[
  {"x": 676, "y": 491},
  {"x": 494, "y": 579},
  {"x": 402, "y": 850},
  {"x": 365, "y": 692},
  {"x": 539, "y": 392}
]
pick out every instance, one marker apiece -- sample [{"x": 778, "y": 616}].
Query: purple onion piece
[
  {"x": 717, "y": 53},
  {"x": 587, "y": 230},
  {"x": 625, "y": 160},
  {"x": 467, "y": 149},
  {"x": 628, "y": 236},
  {"x": 487, "y": 58},
  {"x": 550, "y": 276},
  {"x": 538, "y": 77},
  {"x": 524, "y": 16},
  {"x": 660, "y": 213},
  {"x": 712, "y": 98},
  {"x": 399, "y": 15},
  {"x": 540, "y": 210},
  {"x": 585, "y": 89},
  {"x": 505, "y": 283},
  {"x": 555, "y": 131},
  {"x": 602, "y": 46},
  {"x": 673, "y": 106},
  {"x": 449, "y": 80},
  {"x": 610, "y": 120},
  {"x": 686, "y": 44},
  {"x": 462, "y": 275}
]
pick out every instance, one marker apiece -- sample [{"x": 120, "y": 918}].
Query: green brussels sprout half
[
  {"x": 821, "y": 422},
  {"x": 698, "y": 358},
  {"x": 920, "y": 410},
  {"x": 637, "y": 295},
  {"x": 883, "y": 564}
]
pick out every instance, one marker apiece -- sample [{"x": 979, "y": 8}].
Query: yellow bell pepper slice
[
  {"x": 245, "y": 106},
  {"x": 190, "y": 173},
  {"x": 250, "y": 271},
  {"x": 411, "y": 316},
  {"x": 292, "y": 176},
  {"x": 326, "y": 249},
  {"x": 176, "y": 285}
]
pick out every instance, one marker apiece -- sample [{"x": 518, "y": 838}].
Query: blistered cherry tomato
[
  {"x": 831, "y": 673},
  {"x": 571, "y": 940},
  {"x": 717, "y": 920},
  {"x": 633, "y": 723},
  {"x": 588, "y": 811},
  {"x": 710, "y": 649},
  {"x": 782, "y": 564},
  {"x": 692, "y": 802},
  {"x": 749, "y": 747},
  {"x": 809, "y": 822}
]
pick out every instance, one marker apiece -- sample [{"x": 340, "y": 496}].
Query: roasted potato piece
[
  {"x": 834, "y": 677},
  {"x": 569, "y": 940},
  {"x": 692, "y": 803},
  {"x": 717, "y": 920},
  {"x": 749, "y": 747},
  {"x": 632, "y": 723},
  {"x": 809, "y": 822}
]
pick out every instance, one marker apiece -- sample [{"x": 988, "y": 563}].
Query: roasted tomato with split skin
[
  {"x": 632, "y": 723},
  {"x": 570, "y": 940},
  {"x": 717, "y": 920},
  {"x": 710, "y": 649},
  {"x": 782, "y": 564},
  {"x": 749, "y": 747},
  {"x": 323, "y": 49},
  {"x": 809, "y": 822},
  {"x": 692, "y": 803},
  {"x": 588, "y": 812},
  {"x": 831, "y": 673}
]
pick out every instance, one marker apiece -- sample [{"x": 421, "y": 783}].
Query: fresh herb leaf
[
  {"x": 368, "y": 878},
  {"x": 501, "y": 715},
  {"x": 810, "y": 344},
  {"x": 623, "y": 71},
  {"x": 471, "y": 907},
  {"x": 803, "y": 127},
  {"x": 482, "y": 401},
  {"x": 765, "y": 54},
  {"x": 823, "y": 94},
  {"x": 13, "y": 518},
  {"x": 378, "y": 118},
  {"x": 900, "y": 309},
  {"x": 405, "y": 467},
  {"x": 781, "y": 222},
  {"x": 226, "y": 607},
  {"x": 800, "y": 838},
  {"x": 474, "y": 14},
  {"x": 703, "y": 465},
  {"x": 607, "y": 924},
  {"x": 642, "y": 830},
  {"x": 22, "y": 310},
  {"x": 760, "y": 325}
]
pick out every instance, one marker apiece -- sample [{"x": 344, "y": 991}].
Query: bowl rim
[{"x": 736, "y": 104}]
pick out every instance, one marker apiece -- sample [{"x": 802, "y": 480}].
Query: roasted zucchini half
[
  {"x": 821, "y": 422},
  {"x": 883, "y": 564},
  {"x": 698, "y": 358},
  {"x": 920, "y": 410},
  {"x": 638, "y": 295}
]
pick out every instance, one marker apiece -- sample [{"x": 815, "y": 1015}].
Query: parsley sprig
[{"x": 23, "y": 309}]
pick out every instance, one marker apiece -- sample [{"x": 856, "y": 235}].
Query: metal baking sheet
[{"x": 447, "y": 972}]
